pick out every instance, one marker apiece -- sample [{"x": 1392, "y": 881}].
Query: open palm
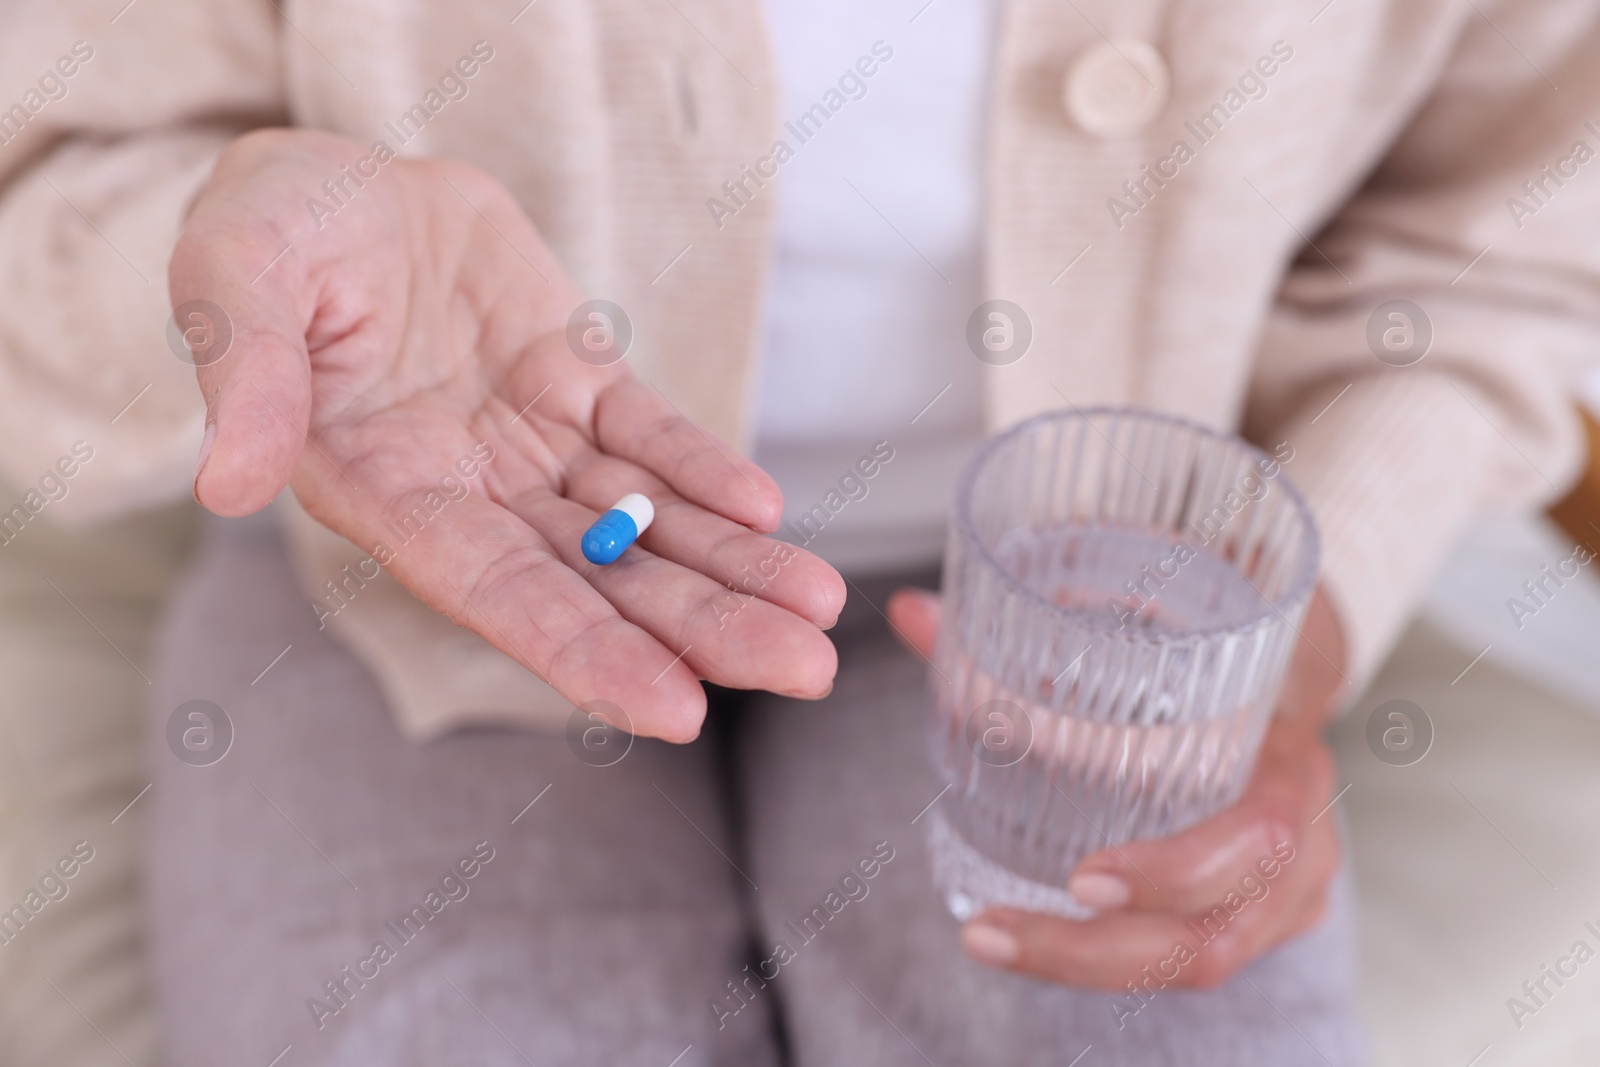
[{"x": 425, "y": 323}]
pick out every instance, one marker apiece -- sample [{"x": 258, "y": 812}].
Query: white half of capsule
[{"x": 637, "y": 507}]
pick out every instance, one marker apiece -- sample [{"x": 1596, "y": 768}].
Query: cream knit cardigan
[{"x": 1438, "y": 151}]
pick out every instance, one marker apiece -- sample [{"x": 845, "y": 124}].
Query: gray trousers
[{"x": 333, "y": 894}]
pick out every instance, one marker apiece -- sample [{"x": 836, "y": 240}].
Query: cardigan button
[{"x": 1116, "y": 88}]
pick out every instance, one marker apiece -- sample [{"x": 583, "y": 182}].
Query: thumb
[
  {"x": 914, "y": 614},
  {"x": 245, "y": 331}
]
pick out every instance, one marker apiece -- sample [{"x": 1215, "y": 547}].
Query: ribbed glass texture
[{"x": 1121, "y": 594}]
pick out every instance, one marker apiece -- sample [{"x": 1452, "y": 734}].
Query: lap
[
  {"x": 591, "y": 919},
  {"x": 886, "y": 981},
  {"x": 610, "y": 924}
]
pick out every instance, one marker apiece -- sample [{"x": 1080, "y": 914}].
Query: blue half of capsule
[
  {"x": 614, "y": 531},
  {"x": 609, "y": 537}
]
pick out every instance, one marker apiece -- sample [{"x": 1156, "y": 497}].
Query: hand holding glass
[{"x": 1121, "y": 593}]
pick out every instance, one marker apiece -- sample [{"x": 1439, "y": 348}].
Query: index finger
[{"x": 638, "y": 423}]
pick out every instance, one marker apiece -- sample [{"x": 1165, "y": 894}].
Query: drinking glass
[{"x": 1122, "y": 590}]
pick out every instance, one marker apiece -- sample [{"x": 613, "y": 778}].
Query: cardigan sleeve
[
  {"x": 1484, "y": 218},
  {"x": 110, "y": 123}
]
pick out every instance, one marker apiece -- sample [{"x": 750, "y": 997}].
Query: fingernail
[
  {"x": 205, "y": 449},
  {"x": 1099, "y": 889},
  {"x": 990, "y": 944},
  {"x": 800, "y": 694}
]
